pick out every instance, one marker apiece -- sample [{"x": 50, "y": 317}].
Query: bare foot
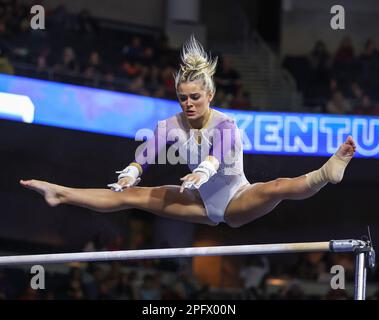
[
  {"x": 334, "y": 169},
  {"x": 347, "y": 149},
  {"x": 48, "y": 190}
]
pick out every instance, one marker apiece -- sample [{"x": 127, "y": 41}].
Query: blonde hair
[{"x": 196, "y": 65}]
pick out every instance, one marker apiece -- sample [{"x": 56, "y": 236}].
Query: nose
[{"x": 189, "y": 102}]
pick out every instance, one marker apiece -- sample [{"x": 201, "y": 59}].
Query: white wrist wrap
[
  {"x": 207, "y": 170},
  {"x": 129, "y": 171}
]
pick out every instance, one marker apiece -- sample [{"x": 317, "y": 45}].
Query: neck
[{"x": 201, "y": 122}]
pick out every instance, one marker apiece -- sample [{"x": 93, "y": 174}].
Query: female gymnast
[{"x": 216, "y": 190}]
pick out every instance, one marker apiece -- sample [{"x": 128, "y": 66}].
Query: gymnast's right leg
[{"x": 166, "y": 201}]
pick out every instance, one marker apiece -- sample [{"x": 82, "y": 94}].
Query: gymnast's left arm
[
  {"x": 131, "y": 175},
  {"x": 201, "y": 174}
]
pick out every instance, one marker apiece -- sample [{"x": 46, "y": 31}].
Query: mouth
[{"x": 190, "y": 113}]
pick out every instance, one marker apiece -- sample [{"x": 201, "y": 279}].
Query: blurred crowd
[
  {"x": 77, "y": 48},
  {"x": 103, "y": 282},
  {"x": 340, "y": 82}
]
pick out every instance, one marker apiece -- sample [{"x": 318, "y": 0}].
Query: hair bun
[{"x": 196, "y": 65}]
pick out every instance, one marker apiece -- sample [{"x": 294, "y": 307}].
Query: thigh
[
  {"x": 251, "y": 202},
  {"x": 167, "y": 201}
]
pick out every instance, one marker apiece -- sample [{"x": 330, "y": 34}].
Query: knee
[{"x": 234, "y": 223}]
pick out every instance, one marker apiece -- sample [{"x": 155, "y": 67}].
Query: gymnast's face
[{"x": 194, "y": 100}]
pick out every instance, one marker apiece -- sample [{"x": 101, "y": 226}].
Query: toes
[{"x": 350, "y": 141}]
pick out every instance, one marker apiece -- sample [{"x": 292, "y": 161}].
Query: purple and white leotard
[{"x": 220, "y": 138}]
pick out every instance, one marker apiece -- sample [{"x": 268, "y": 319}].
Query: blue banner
[{"x": 81, "y": 108}]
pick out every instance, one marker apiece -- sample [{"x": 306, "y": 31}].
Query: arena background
[{"x": 270, "y": 46}]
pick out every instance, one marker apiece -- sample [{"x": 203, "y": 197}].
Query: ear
[{"x": 210, "y": 96}]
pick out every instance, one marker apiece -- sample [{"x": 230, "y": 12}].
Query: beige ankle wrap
[{"x": 332, "y": 171}]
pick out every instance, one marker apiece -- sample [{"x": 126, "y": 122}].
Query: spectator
[
  {"x": 159, "y": 92},
  {"x": 95, "y": 244},
  {"x": 60, "y": 20},
  {"x": 43, "y": 60},
  {"x": 204, "y": 293},
  {"x": 345, "y": 53},
  {"x": 338, "y": 104},
  {"x": 69, "y": 63},
  {"x": 337, "y": 294},
  {"x": 221, "y": 100},
  {"x": 5, "y": 65},
  {"x": 172, "y": 292},
  {"x": 227, "y": 78},
  {"x": 150, "y": 289},
  {"x": 163, "y": 51},
  {"x": 75, "y": 290},
  {"x": 312, "y": 266},
  {"x": 94, "y": 63},
  {"x": 118, "y": 243},
  {"x": 154, "y": 77},
  {"x": 168, "y": 82},
  {"x": 343, "y": 64},
  {"x": 124, "y": 289},
  {"x": 92, "y": 280},
  {"x": 188, "y": 285},
  {"x": 109, "y": 81},
  {"x": 253, "y": 275},
  {"x": 320, "y": 59},
  {"x": 320, "y": 63},
  {"x": 366, "y": 107},
  {"x": 137, "y": 86},
  {"x": 86, "y": 24},
  {"x": 356, "y": 94},
  {"x": 148, "y": 56},
  {"x": 105, "y": 290},
  {"x": 3, "y": 28},
  {"x": 292, "y": 291},
  {"x": 4, "y": 286},
  {"x": 240, "y": 101},
  {"x": 29, "y": 294},
  {"x": 130, "y": 69},
  {"x": 93, "y": 69},
  {"x": 134, "y": 52},
  {"x": 368, "y": 64}
]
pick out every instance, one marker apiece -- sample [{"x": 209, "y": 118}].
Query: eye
[
  {"x": 195, "y": 96},
  {"x": 182, "y": 98}
]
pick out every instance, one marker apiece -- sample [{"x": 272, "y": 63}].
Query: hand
[
  {"x": 124, "y": 183},
  {"x": 191, "y": 181}
]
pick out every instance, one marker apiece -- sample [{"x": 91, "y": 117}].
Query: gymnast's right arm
[{"x": 145, "y": 155}]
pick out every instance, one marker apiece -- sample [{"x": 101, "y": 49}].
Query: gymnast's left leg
[{"x": 259, "y": 199}]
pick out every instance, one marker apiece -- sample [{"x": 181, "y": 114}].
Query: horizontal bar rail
[
  {"x": 331, "y": 246},
  {"x": 363, "y": 251}
]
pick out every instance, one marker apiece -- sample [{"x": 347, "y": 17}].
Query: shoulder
[
  {"x": 171, "y": 122},
  {"x": 223, "y": 120}
]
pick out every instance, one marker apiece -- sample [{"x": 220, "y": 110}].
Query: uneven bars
[{"x": 327, "y": 246}]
